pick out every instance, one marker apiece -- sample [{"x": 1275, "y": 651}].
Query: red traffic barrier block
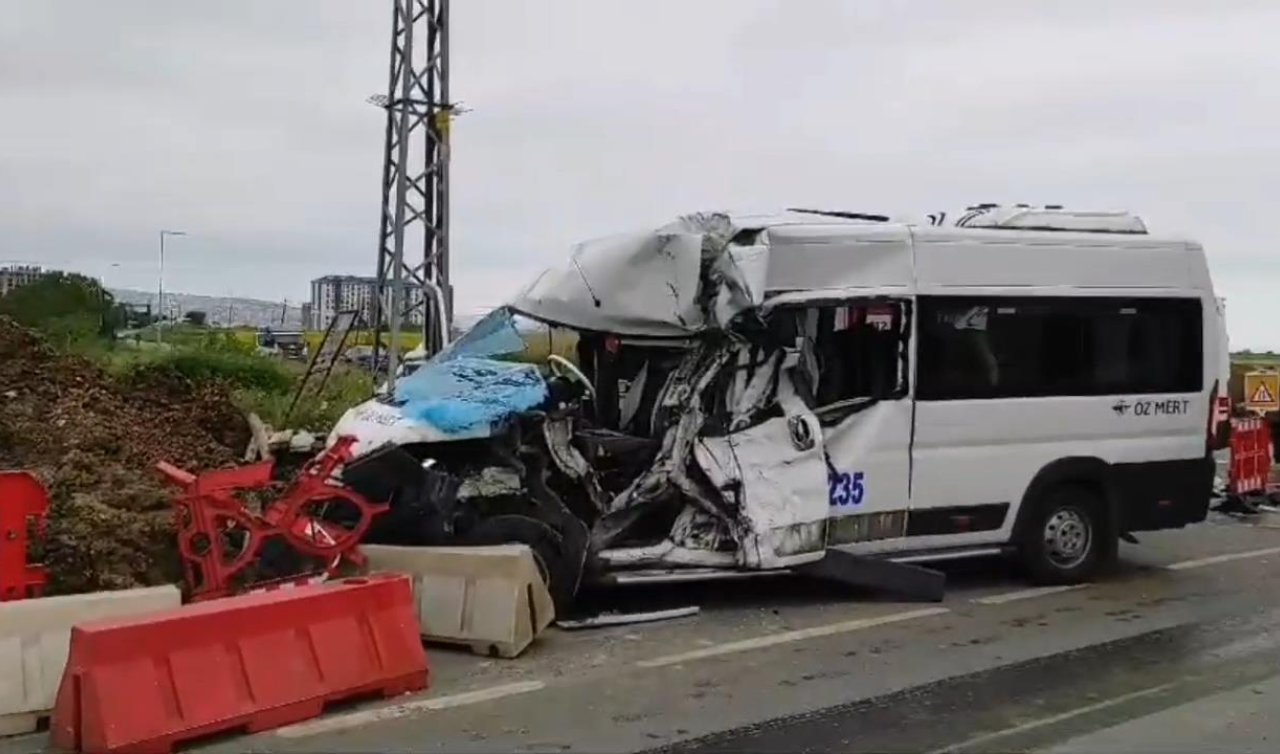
[
  {"x": 250, "y": 662},
  {"x": 1251, "y": 455},
  {"x": 23, "y": 502}
]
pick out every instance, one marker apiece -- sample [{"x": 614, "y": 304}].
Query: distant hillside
[{"x": 222, "y": 311}]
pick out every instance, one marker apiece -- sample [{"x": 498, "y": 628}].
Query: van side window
[
  {"x": 849, "y": 351},
  {"x": 1017, "y": 347}
]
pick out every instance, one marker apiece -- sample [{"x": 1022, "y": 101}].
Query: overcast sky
[{"x": 244, "y": 123}]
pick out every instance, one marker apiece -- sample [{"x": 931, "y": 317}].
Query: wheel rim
[{"x": 1067, "y": 537}]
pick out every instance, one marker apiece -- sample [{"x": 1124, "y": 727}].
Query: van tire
[
  {"x": 556, "y": 569},
  {"x": 1065, "y": 539}
]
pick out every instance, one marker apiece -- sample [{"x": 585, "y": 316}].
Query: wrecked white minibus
[{"x": 750, "y": 393}]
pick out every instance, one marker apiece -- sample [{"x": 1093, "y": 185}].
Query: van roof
[{"x": 654, "y": 283}]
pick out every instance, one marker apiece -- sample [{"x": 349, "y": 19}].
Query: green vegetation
[
  {"x": 71, "y": 310},
  {"x": 78, "y": 316},
  {"x": 315, "y": 411}
]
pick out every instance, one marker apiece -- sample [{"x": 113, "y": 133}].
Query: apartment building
[
  {"x": 17, "y": 275},
  {"x": 337, "y": 293}
]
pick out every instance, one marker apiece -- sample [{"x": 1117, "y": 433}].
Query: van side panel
[
  {"x": 987, "y": 451},
  {"x": 1001, "y": 259}
]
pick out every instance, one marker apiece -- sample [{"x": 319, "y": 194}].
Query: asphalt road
[{"x": 1177, "y": 651}]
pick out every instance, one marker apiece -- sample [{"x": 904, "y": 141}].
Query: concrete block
[
  {"x": 35, "y": 636},
  {"x": 491, "y": 599}
]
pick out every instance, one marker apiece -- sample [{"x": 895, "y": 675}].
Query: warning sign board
[{"x": 1262, "y": 391}]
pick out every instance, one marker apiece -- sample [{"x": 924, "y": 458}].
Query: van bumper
[{"x": 1163, "y": 494}]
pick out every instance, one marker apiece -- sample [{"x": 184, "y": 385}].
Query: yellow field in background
[{"x": 539, "y": 344}]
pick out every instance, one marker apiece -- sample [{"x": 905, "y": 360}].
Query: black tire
[
  {"x": 1066, "y": 537},
  {"x": 559, "y": 571}
]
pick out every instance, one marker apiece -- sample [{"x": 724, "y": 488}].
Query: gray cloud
[{"x": 244, "y": 122}]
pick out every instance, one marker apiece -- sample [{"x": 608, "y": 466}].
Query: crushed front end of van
[{"x": 634, "y": 414}]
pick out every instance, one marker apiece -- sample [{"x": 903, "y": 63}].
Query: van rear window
[{"x": 1006, "y": 347}]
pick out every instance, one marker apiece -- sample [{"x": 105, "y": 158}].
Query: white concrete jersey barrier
[
  {"x": 35, "y": 635},
  {"x": 491, "y": 599}
]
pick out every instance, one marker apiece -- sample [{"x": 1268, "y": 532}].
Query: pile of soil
[{"x": 94, "y": 440}]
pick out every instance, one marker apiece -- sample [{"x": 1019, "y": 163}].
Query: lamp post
[{"x": 160, "y": 289}]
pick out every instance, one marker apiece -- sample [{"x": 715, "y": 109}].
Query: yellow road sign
[{"x": 1262, "y": 391}]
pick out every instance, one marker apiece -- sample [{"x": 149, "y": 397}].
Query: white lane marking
[
  {"x": 1051, "y": 719},
  {"x": 1182, "y": 566},
  {"x": 365, "y": 717},
  {"x": 1026, "y": 594},
  {"x": 769, "y": 640}
]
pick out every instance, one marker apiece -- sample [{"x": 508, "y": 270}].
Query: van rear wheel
[{"x": 1064, "y": 539}]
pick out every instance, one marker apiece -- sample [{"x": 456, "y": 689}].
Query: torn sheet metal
[
  {"x": 637, "y": 284},
  {"x": 757, "y": 393},
  {"x": 656, "y": 283},
  {"x": 775, "y": 475},
  {"x": 558, "y": 434},
  {"x": 665, "y": 553},
  {"x": 668, "y": 475}
]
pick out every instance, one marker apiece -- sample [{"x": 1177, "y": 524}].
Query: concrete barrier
[
  {"x": 34, "y": 640},
  {"x": 491, "y": 599}
]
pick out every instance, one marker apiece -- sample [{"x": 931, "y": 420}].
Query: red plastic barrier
[
  {"x": 250, "y": 662},
  {"x": 210, "y": 514},
  {"x": 1251, "y": 455},
  {"x": 22, "y": 499}
]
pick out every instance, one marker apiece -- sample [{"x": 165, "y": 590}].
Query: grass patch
[
  {"x": 260, "y": 384},
  {"x": 316, "y": 411},
  {"x": 238, "y": 369}
]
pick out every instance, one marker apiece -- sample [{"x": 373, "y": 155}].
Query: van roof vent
[{"x": 1050, "y": 217}]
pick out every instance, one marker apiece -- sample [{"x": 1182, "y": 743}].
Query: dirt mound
[{"x": 94, "y": 440}]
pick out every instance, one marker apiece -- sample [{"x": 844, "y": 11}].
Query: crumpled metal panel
[
  {"x": 635, "y": 284},
  {"x": 655, "y": 283},
  {"x": 776, "y": 485},
  {"x": 668, "y": 476}
]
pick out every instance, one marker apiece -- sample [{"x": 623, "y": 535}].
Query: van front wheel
[{"x": 1064, "y": 540}]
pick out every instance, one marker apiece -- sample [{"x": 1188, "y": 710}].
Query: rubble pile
[{"x": 94, "y": 440}]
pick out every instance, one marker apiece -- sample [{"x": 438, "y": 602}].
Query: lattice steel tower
[{"x": 413, "y": 241}]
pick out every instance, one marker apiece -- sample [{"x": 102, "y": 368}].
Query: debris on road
[
  {"x": 626, "y": 619},
  {"x": 94, "y": 439}
]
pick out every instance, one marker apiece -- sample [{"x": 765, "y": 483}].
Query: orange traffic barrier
[
  {"x": 250, "y": 662},
  {"x": 1251, "y": 455}
]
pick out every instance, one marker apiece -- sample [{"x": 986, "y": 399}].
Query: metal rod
[
  {"x": 160, "y": 292},
  {"x": 160, "y": 289}
]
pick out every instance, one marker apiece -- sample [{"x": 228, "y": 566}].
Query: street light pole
[{"x": 160, "y": 289}]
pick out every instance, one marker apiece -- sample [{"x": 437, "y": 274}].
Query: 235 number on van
[{"x": 846, "y": 488}]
